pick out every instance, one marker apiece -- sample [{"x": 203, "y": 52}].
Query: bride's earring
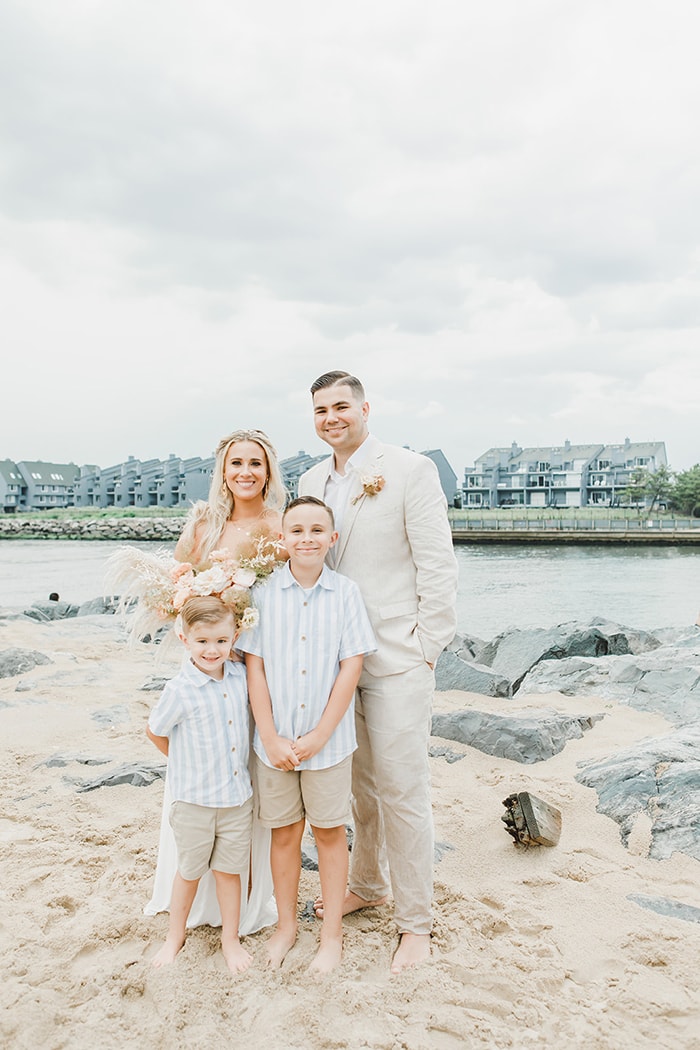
[{"x": 266, "y": 488}]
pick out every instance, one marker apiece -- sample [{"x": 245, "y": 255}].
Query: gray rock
[
  {"x": 666, "y": 680},
  {"x": 664, "y": 906},
  {"x": 523, "y": 738},
  {"x": 139, "y": 774},
  {"x": 18, "y": 661},
  {"x": 453, "y": 672},
  {"x": 659, "y": 778},
  {"x": 515, "y": 652},
  {"x": 466, "y": 646},
  {"x": 44, "y": 611},
  {"x": 61, "y": 760},
  {"x": 111, "y": 716},
  {"x": 97, "y": 606},
  {"x": 441, "y": 751},
  {"x": 154, "y": 684}
]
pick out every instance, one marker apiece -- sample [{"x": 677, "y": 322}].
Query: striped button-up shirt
[
  {"x": 302, "y": 636},
  {"x": 207, "y": 726}
]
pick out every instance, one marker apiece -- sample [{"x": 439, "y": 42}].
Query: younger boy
[
  {"x": 304, "y": 660},
  {"x": 201, "y": 723}
]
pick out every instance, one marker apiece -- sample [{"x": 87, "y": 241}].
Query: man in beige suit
[{"x": 395, "y": 542}]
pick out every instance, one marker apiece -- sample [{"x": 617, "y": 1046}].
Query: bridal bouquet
[{"x": 155, "y": 586}]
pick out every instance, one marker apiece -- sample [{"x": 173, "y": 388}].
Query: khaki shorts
[
  {"x": 320, "y": 795},
  {"x": 207, "y": 837}
]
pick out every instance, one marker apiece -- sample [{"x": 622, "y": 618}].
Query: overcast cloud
[{"x": 489, "y": 212}]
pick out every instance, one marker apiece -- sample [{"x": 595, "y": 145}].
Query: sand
[{"x": 538, "y": 947}]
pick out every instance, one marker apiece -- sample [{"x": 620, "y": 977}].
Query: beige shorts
[
  {"x": 320, "y": 795},
  {"x": 207, "y": 837}
]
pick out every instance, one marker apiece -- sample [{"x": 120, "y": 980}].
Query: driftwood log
[{"x": 531, "y": 821}]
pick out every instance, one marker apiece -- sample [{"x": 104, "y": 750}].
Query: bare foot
[
  {"x": 328, "y": 956},
  {"x": 237, "y": 958},
  {"x": 168, "y": 952},
  {"x": 279, "y": 944},
  {"x": 351, "y": 903},
  {"x": 413, "y": 949}
]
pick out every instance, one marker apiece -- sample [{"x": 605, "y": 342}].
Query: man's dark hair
[{"x": 336, "y": 379}]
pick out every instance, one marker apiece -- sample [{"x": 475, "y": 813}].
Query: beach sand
[{"x": 537, "y": 947}]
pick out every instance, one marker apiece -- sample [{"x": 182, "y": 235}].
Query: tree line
[{"x": 676, "y": 490}]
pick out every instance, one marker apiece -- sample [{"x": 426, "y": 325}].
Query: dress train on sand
[{"x": 258, "y": 908}]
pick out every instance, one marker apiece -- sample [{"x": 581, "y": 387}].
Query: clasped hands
[{"x": 288, "y": 754}]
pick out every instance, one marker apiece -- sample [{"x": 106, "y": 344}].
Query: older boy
[
  {"x": 304, "y": 660},
  {"x": 201, "y": 723}
]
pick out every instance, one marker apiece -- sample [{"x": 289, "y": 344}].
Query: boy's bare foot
[
  {"x": 413, "y": 949},
  {"x": 237, "y": 958},
  {"x": 351, "y": 903},
  {"x": 168, "y": 952},
  {"x": 279, "y": 944},
  {"x": 328, "y": 956}
]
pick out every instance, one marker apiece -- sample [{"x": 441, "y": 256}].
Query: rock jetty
[
  {"x": 657, "y": 780},
  {"x": 165, "y": 530}
]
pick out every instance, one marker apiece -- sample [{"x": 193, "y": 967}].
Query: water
[{"x": 500, "y": 587}]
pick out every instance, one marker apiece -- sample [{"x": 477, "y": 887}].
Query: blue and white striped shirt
[
  {"x": 208, "y": 730},
  {"x": 302, "y": 636}
]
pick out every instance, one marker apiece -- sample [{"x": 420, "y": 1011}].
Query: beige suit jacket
[{"x": 397, "y": 546}]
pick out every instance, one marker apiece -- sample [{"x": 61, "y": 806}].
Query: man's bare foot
[
  {"x": 167, "y": 953},
  {"x": 351, "y": 903},
  {"x": 279, "y": 944},
  {"x": 237, "y": 958},
  {"x": 328, "y": 956},
  {"x": 413, "y": 949}
]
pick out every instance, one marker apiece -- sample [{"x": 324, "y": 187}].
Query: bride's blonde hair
[{"x": 205, "y": 522}]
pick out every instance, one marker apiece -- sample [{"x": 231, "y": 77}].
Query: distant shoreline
[{"x": 533, "y": 531}]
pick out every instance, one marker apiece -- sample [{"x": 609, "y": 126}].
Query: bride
[{"x": 245, "y": 502}]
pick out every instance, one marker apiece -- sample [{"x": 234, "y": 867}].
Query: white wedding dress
[{"x": 257, "y": 909}]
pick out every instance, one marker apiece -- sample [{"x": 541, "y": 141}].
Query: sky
[{"x": 487, "y": 212}]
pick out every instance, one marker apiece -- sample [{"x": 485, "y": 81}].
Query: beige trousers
[{"x": 393, "y": 842}]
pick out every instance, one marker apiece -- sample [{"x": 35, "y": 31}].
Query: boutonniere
[{"x": 372, "y": 484}]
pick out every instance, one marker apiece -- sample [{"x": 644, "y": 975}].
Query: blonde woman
[{"x": 245, "y": 502}]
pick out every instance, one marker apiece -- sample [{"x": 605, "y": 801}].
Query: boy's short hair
[
  {"x": 306, "y": 501},
  {"x": 205, "y": 609},
  {"x": 338, "y": 379}
]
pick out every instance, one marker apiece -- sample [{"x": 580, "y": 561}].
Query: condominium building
[{"x": 558, "y": 476}]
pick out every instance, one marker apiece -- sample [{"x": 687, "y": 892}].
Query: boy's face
[
  {"x": 308, "y": 535},
  {"x": 209, "y": 645}
]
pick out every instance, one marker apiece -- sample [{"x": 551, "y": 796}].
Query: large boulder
[
  {"x": 453, "y": 672},
  {"x": 17, "y": 661},
  {"x": 666, "y": 681},
  {"x": 43, "y": 611},
  {"x": 659, "y": 779},
  {"x": 529, "y": 738},
  {"x": 515, "y": 652}
]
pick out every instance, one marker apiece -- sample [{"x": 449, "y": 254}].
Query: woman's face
[{"x": 245, "y": 470}]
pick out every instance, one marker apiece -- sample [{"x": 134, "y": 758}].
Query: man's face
[{"x": 340, "y": 418}]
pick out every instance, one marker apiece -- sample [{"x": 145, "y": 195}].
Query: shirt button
[
  {"x": 233, "y": 749},
  {"x": 230, "y": 721},
  {"x": 235, "y": 772},
  {"x": 302, "y": 706},
  {"x": 303, "y": 672},
  {"x": 303, "y": 637},
  {"x": 225, "y": 696}
]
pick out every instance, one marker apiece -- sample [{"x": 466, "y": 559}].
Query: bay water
[{"x": 500, "y": 586}]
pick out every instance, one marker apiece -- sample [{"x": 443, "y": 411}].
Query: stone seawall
[{"x": 164, "y": 530}]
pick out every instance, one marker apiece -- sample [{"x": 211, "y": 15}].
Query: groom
[{"x": 395, "y": 542}]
